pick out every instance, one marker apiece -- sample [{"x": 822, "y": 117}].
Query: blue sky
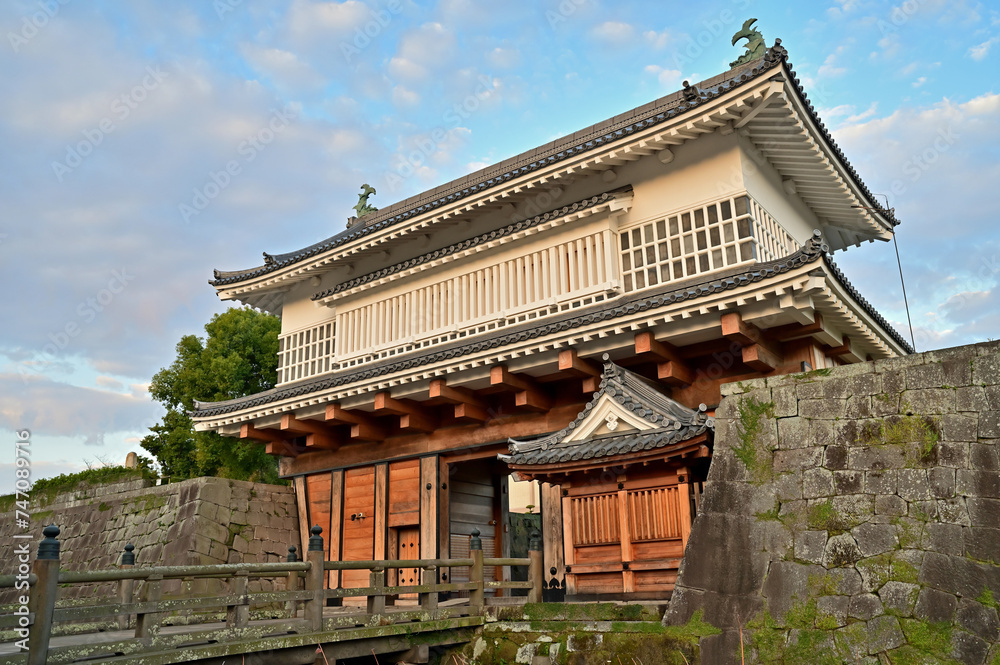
[{"x": 119, "y": 120}]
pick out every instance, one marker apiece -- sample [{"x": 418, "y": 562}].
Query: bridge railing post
[
  {"x": 238, "y": 615},
  {"x": 293, "y": 582},
  {"x": 535, "y": 574},
  {"x": 148, "y": 623},
  {"x": 314, "y": 579},
  {"x": 126, "y": 587},
  {"x": 42, "y": 601},
  {"x": 477, "y": 595},
  {"x": 429, "y": 600},
  {"x": 376, "y": 601}
]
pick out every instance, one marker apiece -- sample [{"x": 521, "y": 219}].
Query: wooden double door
[{"x": 625, "y": 538}]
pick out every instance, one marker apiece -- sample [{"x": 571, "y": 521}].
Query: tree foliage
[{"x": 238, "y": 357}]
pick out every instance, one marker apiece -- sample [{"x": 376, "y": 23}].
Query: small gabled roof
[{"x": 623, "y": 399}]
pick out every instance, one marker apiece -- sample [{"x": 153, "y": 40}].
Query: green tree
[{"x": 238, "y": 357}]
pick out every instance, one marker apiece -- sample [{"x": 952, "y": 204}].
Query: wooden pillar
[
  {"x": 568, "y": 552},
  {"x": 477, "y": 595},
  {"x": 292, "y": 583},
  {"x": 147, "y": 624},
  {"x": 126, "y": 588},
  {"x": 381, "y": 510},
  {"x": 376, "y": 601},
  {"x": 238, "y": 615},
  {"x": 535, "y": 573},
  {"x": 628, "y": 577},
  {"x": 42, "y": 602},
  {"x": 444, "y": 521},
  {"x": 336, "y": 517},
  {"x": 302, "y": 507},
  {"x": 553, "y": 560},
  {"x": 314, "y": 579},
  {"x": 429, "y": 514}
]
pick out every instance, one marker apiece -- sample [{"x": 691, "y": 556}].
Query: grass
[
  {"x": 45, "y": 490},
  {"x": 920, "y": 431},
  {"x": 750, "y": 451}
]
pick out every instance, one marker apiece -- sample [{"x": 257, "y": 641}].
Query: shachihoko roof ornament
[
  {"x": 363, "y": 207},
  {"x": 755, "y": 43}
]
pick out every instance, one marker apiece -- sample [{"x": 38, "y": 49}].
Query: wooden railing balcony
[{"x": 142, "y": 614}]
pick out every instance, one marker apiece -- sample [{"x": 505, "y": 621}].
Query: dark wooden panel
[
  {"x": 318, "y": 491},
  {"x": 599, "y": 583}
]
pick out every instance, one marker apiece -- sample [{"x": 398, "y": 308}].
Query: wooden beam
[
  {"x": 647, "y": 345},
  {"x": 412, "y": 417},
  {"x": 282, "y": 449},
  {"x": 292, "y": 425},
  {"x": 322, "y": 442},
  {"x": 842, "y": 350},
  {"x": 363, "y": 426},
  {"x": 675, "y": 373},
  {"x": 527, "y": 393},
  {"x": 470, "y": 413},
  {"x": 248, "y": 431},
  {"x": 572, "y": 364},
  {"x": 441, "y": 393},
  {"x": 794, "y": 331},
  {"x": 759, "y": 353}
]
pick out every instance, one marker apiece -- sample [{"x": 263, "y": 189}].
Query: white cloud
[
  {"x": 668, "y": 78},
  {"x": 402, "y": 96},
  {"x": 614, "y": 33},
  {"x": 919, "y": 82},
  {"x": 110, "y": 383},
  {"x": 285, "y": 68},
  {"x": 864, "y": 115},
  {"x": 829, "y": 67},
  {"x": 657, "y": 40},
  {"x": 504, "y": 58},
  {"x": 980, "y": 52}
]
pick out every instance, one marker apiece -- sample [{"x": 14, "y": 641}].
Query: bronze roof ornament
[
  {"x": 755, "y": 43},
  {"x": 362, "y": 208}
]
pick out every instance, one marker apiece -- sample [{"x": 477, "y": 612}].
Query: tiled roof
[
  {"x": 613, "y": 129},
  {"x": 674, "y": 423},
  {"x": 812, "y": 251},
  {"x": 472, "y": 242}
]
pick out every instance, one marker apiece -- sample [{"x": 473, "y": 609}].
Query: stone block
[
  {"x": 777, "y": 538},
  {"x": 954, "y": 575},
  {"x": 876, "y": 458},
  {"x": 942, "y": 482},
  {"x": 219, "y": 551},
  {"x": 817, "y": 482},
  {"x": 912, "y": 484},
  {"x": 841, "y": 550},
  {"x": 899, "y": 597},
  {"x": 874, "y": 539},
  {"x": 786, "y": 404},
  {"x": 810, "y": 545},
  {"x": 986, "y": 370},
  {"x": 930, "y": 401},
  {"x": 865, "y": 606},
  {"x": 724, "y": 497},
  {"x": 889, "y": 504},
  {"x": 928, "y": 376},
  {"x": 823, "y": 409},
  {"x": 880, "y": 482},
  {"x": 240, "y": 544},
  {"x": 984, "y": 456},
  {"x": 989, "y": 424},
  {"x": 859, "y": 406},
  {"x": 968, "y": 649},
  {"x": 793, "y": 433},
  {"x": 954, "y": 455},
  {"x": 978, "y": 619},
  {"x": 847, "y": 581},
  {"x": 837, "y": 607},
  {"x": 971, "y": 399},
  {"x": 935, "y": 605},
  {"x": 853, "y": 509},
  {"x": 786, "y": 583},
  {"x": 984, "y": 512},
  {"x": 208, "y": 528},
  {"x": 953, "y": 511},
  {"x": 811, "y": 389},
  {"x": 884, "y": 634},
  {"x": 788, "y": 487},
  {"x": 797, "y": 459},
  {"x": 945, "y": 538},
  {"x": 823, "y": 432},
  {"x": 992, "y": 394},
  {"x": 958, "y": 427},
  {"x": 982, "y": 544},
  {"x": 885, "y": 404},
  {"x": 848, "y": 482},
  {"x": 720, "y": 535},
  {"x": 835, "y": 458},
  {"x": 984, "y": 484}
]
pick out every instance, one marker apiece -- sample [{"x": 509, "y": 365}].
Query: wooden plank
[
  {"x": 571, "y": 364},
  {"x": 441, "y": 393},
  {"x": 336, "y": 521},
  {"x": 444, "y": 512},
  {"x": 684, "y": 501},
  {"x": 363, "y": 426},
  {"x": 428, "y": 509},
  {"x": 248, "y": 431},
  {"x": 675, "y": 373},
  {"x": 381, "y": 510},
  {"x": 552, "y": 536},
  {"x": 628, "y": 579},
  {"x": 301, "y": 503},
  {"x": 568, "y": 549},
  {"x": 527, "y": 395}
]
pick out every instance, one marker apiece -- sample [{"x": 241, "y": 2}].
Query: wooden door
[
  {"x": 473, "y": 503},
  {"x": 408, "y": 543},
  {"x": 359, "y": 523}
]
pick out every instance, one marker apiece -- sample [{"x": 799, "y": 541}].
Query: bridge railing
[{"x": 139, "y": 603}]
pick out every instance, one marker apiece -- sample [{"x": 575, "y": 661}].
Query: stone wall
[
  {"x": 853, "y": 515},
  {"x": 194, "y": 522}
]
